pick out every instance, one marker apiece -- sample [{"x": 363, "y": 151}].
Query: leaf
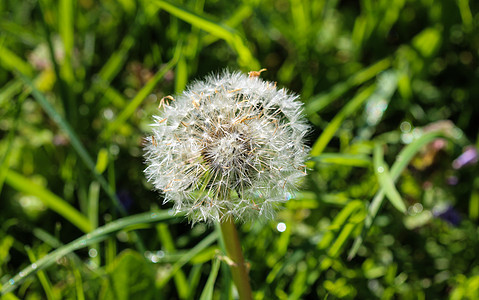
[
  {"x": 334, "y": 125},
  {"x": 166, "y": 240},
  {"x": 140, "y": 96},
  {"x": 6, "y": 155},
  {"x": 130, "y": 276},
  {"x": 401, "y": 162},
  {"x": 12, "y": 62},
  {"x": 114, "y": 64},
  {"x": 282, "y": 266},
  {"x": 66, "y": 11},
  {"x": 299, "y": 284},
  {"x": 193, "y": 279},
  {"x": 181, "y": 74},
  {"x": 95, "y": 236},
  {"x": 474, "y": 201},
  {"x": 427, "y": 42},
  {"x": 102, "y": 160},
  {"x": 6, "y": 242},
  {"x": 207, "y": 293},
  {"x": 8, "y": 296},
  {"x": 320, "y": 101},
  {"x": 352, "y": 160},
  {"x": 48, "y": 198},
  {"x": 385, "y": 180},
  {"x": 338, "y": 223},
  {"x": 334, "y": 249},
  {"x": 75, "y": 141},
  {"x": 466, "y": 14},
  {"x": 188, "y": 256},
  {"x": 9, "y": 90},
  {"x": 42, "y": 276},
  {"x": 228, "y": 34}
]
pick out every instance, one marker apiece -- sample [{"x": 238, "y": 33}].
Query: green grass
[{"x": 80, "y": 80}]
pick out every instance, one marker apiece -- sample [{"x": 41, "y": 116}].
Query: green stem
[{"x": 238, "y": 267}]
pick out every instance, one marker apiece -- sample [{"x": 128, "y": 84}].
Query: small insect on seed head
[
  {"x": 164, "y": 101},
  {"x": 256, "y": 73}
]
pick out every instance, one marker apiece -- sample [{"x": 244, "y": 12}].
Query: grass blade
[
  {"x": 194, "y": 279},
  {"x": 181, "y": 74},
  {"x": 9, "y": 296},
  {"x": 226, "y": 279},
  {"x": 93, "y": 237},
  {"x": 340, "y": 230},
  {"x": 196, "y": 20},
  {"x": 207, "y": 293},
  {"x": 241, "y": 13},
  {"x": 10, "y": 61},
  {"x": 246, "y": 58},
  {"x": 5, "y": 158},
  {"x": 51, "y": 200},
  {"x": 282, "y": 265},
  {"x": 44, "y": 281},
  {"x": 102, "y": 161},
  {"x": 321, "y": 101},
  {"x": 20, "y": 32},
  {"x": 113, "y": 96},
  {"x": 78, "y": 284},
  {"x": 351, "y": 160},
  {"x": 117, "y": 60},
  {"x": 114, "y": 64},
  {"x": 92, "y": 211},
  {"x": 466, "y": 14},
  {"x": 65, "y": 28},
  {"x": 140, "y": 96},
  {"x": 348, "y": 228},
  {"x": 9, "y": 90},
  {"x": 75, "y": 141},
  {"x": 334, "y": 125},
  {"x": 166, "y": 240},
  {"x": 339, "y": 221},
  {"x": 385, "y": 180},
  {"x": 66, "y": 95},
  {"x": 188, "y": 256},
  {"x": 474, "y": 201},
  {"x": 401, "y": 162}
]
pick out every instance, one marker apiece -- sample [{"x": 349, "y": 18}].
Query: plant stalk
[{"x": 235, "y": 254}]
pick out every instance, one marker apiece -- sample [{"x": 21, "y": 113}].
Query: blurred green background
[{"x": 390, "y": 206}]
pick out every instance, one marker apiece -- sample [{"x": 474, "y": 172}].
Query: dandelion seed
[{"x": 228, "y": 139}]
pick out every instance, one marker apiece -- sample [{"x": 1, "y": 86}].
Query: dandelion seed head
[{"x": 228, "y": 146}]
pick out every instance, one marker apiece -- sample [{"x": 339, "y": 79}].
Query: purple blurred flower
[
  {"x": 448, "y": 214},
  {"x": 125, "y": 199},
  {"x": 452, "y": 180},
  {"x": 469, "y": 156}
]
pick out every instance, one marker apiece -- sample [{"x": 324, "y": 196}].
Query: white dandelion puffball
[{"x": 230, "y": 146}]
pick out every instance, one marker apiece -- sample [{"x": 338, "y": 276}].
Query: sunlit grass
[{"x": 79, "y": 81}]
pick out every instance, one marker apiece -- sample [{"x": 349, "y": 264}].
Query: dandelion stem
[{"x": 234, "y": 252}]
